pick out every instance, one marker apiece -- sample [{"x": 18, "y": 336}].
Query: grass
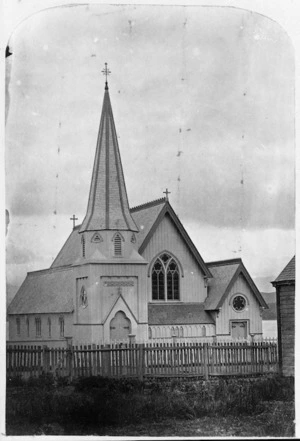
[{"x": 96, "y": 405}]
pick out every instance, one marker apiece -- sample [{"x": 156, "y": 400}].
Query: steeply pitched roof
[
  {"x": 147, "y": 217},
  {"x": 153, "y": 218},
  {"x": 225, "y": 273},
  {"x": 47, "y": 291},
  {"x": 287, "y": 274},
  {"x": 144, "y": 216},
  {"x": 108, "y": 207},
  {"x": 270, "y": 313},
  {"x": 178, "y": 314},
  {"x": 70, "y": 251}
]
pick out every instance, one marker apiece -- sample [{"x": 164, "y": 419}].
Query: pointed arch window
[
  {"x": 18, "y": 321},
  {"x": 27, "y": 326},
  {"x": 38, "y": 327},
  {"x": 165, "y": 278},
  {"x": 49, "y": 327},
  {"x": 83, "y": 245},
  {"x": 118, "y": 245},
  {"x": 61, "y": 326}
]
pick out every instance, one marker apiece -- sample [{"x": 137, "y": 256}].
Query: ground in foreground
[{"x": 276, "y": 420}]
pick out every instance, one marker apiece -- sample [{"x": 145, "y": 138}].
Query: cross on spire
[
  {"x": 167, "y": 193},
  {"x": 74, "y": 219},
  {"x": 106, "y": 72}
]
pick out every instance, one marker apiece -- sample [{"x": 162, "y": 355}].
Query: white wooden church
[{"x": 131, "y": 273}]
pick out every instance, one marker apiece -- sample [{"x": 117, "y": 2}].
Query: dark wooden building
[{"x": 285, "y": 298}]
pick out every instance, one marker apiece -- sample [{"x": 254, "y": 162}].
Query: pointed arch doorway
[{"x": 120, "y": 327}]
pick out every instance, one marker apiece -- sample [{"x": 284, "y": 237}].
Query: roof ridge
[
  {"x": 224, "y": 262},
  {"x": 148, "y": 204}
]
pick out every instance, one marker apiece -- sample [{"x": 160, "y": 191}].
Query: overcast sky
[{"x": 203, "y": 101}]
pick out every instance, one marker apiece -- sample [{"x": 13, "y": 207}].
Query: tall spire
[{"x": 108, "y": 207}]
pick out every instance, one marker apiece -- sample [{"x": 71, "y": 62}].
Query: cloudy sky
[{"x": 203, "y": 100}]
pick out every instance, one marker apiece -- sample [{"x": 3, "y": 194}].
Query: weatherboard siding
[
  {"x": 24, "y": 338},
  {"x": 251, "y": 314},
  {"x": 92, "y": 323},
  {"x": 167, "y": 238},
  {"x": 286, "y": 328}
]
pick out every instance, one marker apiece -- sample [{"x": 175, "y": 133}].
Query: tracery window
[{"x": 165, "y": 278}]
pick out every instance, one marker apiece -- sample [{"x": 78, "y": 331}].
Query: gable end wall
[
  {"x": 167, "y": 238},
  {"x": 251, "y": 314}
]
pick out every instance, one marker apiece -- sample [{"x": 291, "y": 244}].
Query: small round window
[{"x": 239, "y": 303}]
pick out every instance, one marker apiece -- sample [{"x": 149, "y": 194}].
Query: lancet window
[
  {"x": 38, "y": 327},
  {"x": 61, "y": 326},
  {"x": 117, "y": 245},
  {"x": 165, "y": 278}
]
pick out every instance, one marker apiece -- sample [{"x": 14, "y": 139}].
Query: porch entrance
[
  {"x": 120, "y": 327},
  {"x": 239, "y": 330}
]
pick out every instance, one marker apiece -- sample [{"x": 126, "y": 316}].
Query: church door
[
  {"x": 120, "y": 327},
  {"x": 239, "y": 330}
]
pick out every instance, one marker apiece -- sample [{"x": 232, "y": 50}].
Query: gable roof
[
  {"x": 287, "y": 275},
  {"x": 144, "y": 216},
  {"x": 70, "y": 251},
  {"x": 225, "y": 273},
  {"x": 178, "y": 314},
  {"x": 270, "y": 313},
  {"x": 47, "y": 291},
  {"x": 147, "y": 217},
  {"x": 152, "y": 214}
]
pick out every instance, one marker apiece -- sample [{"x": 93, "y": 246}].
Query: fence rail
[{"x": 144, "y": 360}]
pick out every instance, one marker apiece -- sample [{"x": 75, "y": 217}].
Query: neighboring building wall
[
  {"x": 251, "y": 314},
  {"x": 286, "y": 328},
  {"x": 40, "y": 329},
  {"x": 167, "y": 238}
]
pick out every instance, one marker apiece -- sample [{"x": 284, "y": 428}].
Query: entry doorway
[
  {"x": 238, "y": 330},
  {"x": 120, "y": 327}
]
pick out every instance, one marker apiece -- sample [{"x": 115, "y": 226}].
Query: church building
[{"x": 131, "y": 273}]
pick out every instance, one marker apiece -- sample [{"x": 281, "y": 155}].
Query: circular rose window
[{"x": 239, "y": 303}]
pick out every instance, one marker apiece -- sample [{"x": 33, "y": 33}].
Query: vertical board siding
[
  {"x": 250, "y": 314},
  {"x": 166, "y": 237},
  {"x": 287, "y": 329}
]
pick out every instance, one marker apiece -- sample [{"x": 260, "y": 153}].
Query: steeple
[{"x": 108, "y": 207}]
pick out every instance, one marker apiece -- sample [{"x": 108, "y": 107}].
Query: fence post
[
  {"x": 131, "y": 339},
  {"x": 105, "y": 355},
  {"x": 141, "y": 362},
  {"x": 46, "y": 359},
  {"x": 70, "y": 361},
  {"x": 205, "y": 360}
]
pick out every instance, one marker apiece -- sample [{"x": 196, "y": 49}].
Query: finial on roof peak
[
  {"x": 106, "y": 72},
  {"x": 167, "y": 192}
]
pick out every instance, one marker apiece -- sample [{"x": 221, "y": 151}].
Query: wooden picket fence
[{"x": 145, "y": 360}]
